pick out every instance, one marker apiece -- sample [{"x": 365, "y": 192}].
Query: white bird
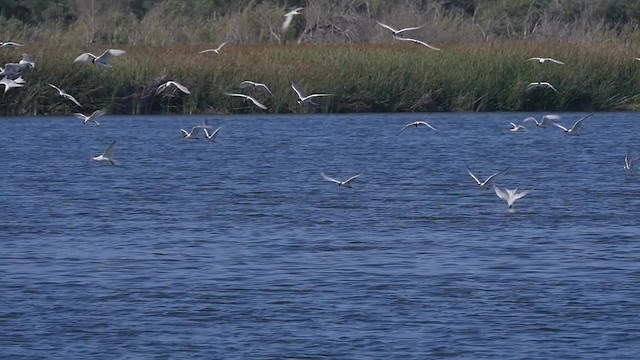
[
  {"x": 288, "y": 17},
  {"x": 64, "y": 94},
  {"x": 417, "y": 42},
  {"x": 100, "y": 60},
  {"x": 510, "y": 195},
  {"x": 546, "y": 120},
  {"x": 517, "y": 127},
  {"x": 489, "y": 181},
  {"x": 193, "y": 134},
  {"x": 92, "y": 119},
  {"x": 542, "y": 60},
  {"x": 540, "y": 84},
  {"x": 415, "y": 124},
  {"x": 576, "y": 126},
  {"x": 255, "y": 102},
  {"x": 27, "y": 60},
  {"x": 249, "y": 83},
  {"x": 216, "y": 50},
  {"x": 107, "y": 155},
  {"x": 10, "y": 45},
  {"x": 346, "y": 183},
  {"x": 171, "y": 82},
  {"x": 213, "y": 135},
  {"x": 303, "y": 98},
  {"x": 10, "y": 84},
  {"x": 20, "y": 80},
  {"x": 399, "y": 33},
  {"x": 628, "y": 162}
]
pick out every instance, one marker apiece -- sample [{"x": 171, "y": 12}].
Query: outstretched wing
[
  {"x": 346, "y": 182},
  {"x": 555, "y": 61},
  {"x": 72, "y": 99},
  {"x": 501, "y": 193},
  {"x": 560, "y": 126},
  {"x": 417, "y": 42},
  {"x": 180, "y": 87},
  {"x": 473, "y": 176},
  {"x": 491, "y": 178},
  {"x": 55, "y": 87},
  {"x": 427, "y": 124},
  {"x": 578, "y": 123},
  {"x": 108, "y": 54},
  {"x": 330, "y": 178},
  {"x": 387, "y": 27},
  {"x": 109, "y": 150},
  {"x": 296, "y": 87},
  {"x": 84, "y": 58}
]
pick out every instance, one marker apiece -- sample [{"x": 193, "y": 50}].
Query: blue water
[{"x": 240, "y": 249}]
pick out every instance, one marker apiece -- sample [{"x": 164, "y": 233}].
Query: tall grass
[{"x": 364, "y": 78}]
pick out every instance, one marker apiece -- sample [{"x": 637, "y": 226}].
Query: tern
[
  {"x": 628, "y": 162},
  {"x": 27, "y": 60},
  {"x": 416, "y": 124},
  {"x": 489, "y": 181},
  {"x": 10, "y": 45},
  {"x": 417, "y": 42},
  {"x": 100, "y": 60},
  {"x": 86, "y": 119},
  {"x": 288, "y": 17},
  {"x": 542, "y": 60},
  {"x": 510, "y": 195},
  {"x": 546, "y": 120},
  {"x": 10, "y": 84},
  {"x": 576, "y": 126},
  {"x": 517, "y": 127},
  {"x": 346, "y": 183},
  {"x": 213, "y": 135},
  {"x": 303, "y": 98},
  {"x": 255, "y": 102},
  {"x": 216, "y": 50},
  {"x": 171, "y": 82},
  {"x": 248, "y": 83},
  {"x": 399, "y": 33},
  {"x": 540, "y": 84},
  {"x": 64, "y": 94},
  {"x": 107, "y": 155}
]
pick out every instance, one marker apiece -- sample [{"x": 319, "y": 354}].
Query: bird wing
[
  {"x": 287, "y": 21},
  {"x": 533, "y": 58},
  {"x": 265, "y": 87},
  {"x": 517, "y": 195},
  {"x": 387, "y": 27},
  {"x": 501, "y": 194},
  {"x": 473, "y": 176},
  {"x": 426, "y": 123},
  {"x": 417, "y": 42},
  {"x": 296, "y": 88},
  {"x": 247, "y": 83},
  {"x": 55, "y": 87},
  {"x": 161, "y": 87},
  {"x": 560, "y": 126},
  {"x": 97, "y": 113},
  {"x": 329, "y": 178},
  {"x": 86, "y": 57},
  {"x": 72, "y": 99},
  {"x": 221, "y": 45},
  {"x": 108, "y": 152},
  {"x": 411, "y": 28},
  {"x": 549, "y": 85},
  {"x": 81, "y": 116},
  {"x": 257, "y": 103},
  {"x": 403, "y": 128},
  {"x": 491, "y": 178},
  {"x": 195, "y": 130},
  {"x": 184, "y": 132},
  {"x": 346, "y": 182},
  {"x": 108, "y": 54},
  {"x": 531, "y": 119},
  {"x": 578, "y": 123},
  {"x": 180, "y": 87},
  {"x": 206, "y": 51},
  {"x": 555, "y": 61},
  {"x": 213, "y": 134}
]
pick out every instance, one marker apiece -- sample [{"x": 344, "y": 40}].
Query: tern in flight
[
  {"x": 417, "y": 42},
  {"x": 212, "y": 136},
  {"x": 304, "y": 99},
  {"x": 10, "y": 84},
  {"x": 9, "y": 45},
  {"x": 107, "y": 155},
  {"x": 176, "y": 84},
  {"x": 64, "y": 94},
  {"x": 216, "y": 50},
  {"x": 542, "y": 60},
  {"x": 288, "y": 17},
  {"x": 100, "y": 60},
  {"x": 399, "y": 33},
  {"x": 489, "y": 181},
  {"x": 517, "y": 127},
  {"x": 629, "y": 159},
  {"x": 346, "y": 183},
  {"x": 540, "y": 84},
  {"x": 257, "y": 85},
  {"x": 576, "y": 126},
  {"x": 416, "y": 124},
  {"x": 510, "y": 195},
  {"x": 254, "y": 101},
  {"x": 546, "y": 120},
  {"x": 91, "y": 118}
]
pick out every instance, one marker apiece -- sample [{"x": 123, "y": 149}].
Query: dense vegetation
[{"x": 335, "y": 47}]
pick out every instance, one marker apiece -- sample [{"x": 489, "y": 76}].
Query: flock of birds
[{"x": 11, "y": 77}]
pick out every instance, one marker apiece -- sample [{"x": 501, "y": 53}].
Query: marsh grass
[{"x": 364, "y": 78}]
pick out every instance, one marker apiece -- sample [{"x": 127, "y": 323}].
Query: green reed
[{"x": 364, "y": 78}]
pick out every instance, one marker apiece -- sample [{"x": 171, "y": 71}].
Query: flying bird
[
  {"x": 92, "y": 119},
  {"x": 517, "y": 127},
  {"x": 216, "y": 50},
  {"x": 510, "y": 195},
  {"x": 107, "y": 155},
  {"x": 305, "y": 99},
  {"x": 100, "y": 60},
  {"x": 346, "y": 183},
  {"x": 546, "y": 120},
  {"x": 10, "y": 84},
  {"x": 416, "y": 124},
  {"x": 257, "y": 85},
  {"x": 64, "y": 94},
  {"x": 542, "y": 60},
  {"x": 576, "y": 126},
  {"x": 171, "y": 82},
  {"x": 540, "y": 84},
  {"x": 489, "y": 181},
  {"x": 212, "y": 136},
  {"x": 254, "y": 101},
  {"x": 399, "y": 33},
  {"x": 10, "y": 45},
  {"x": 27, "y": 60},
  {"x": 288, "y": 17},
  {"x": 629, "y": 160},
  {"x": 417, "y": 42}
]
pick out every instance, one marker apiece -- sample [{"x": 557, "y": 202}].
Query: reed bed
[{"x": 364, "y": 78}]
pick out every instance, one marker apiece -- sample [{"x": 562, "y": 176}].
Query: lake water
[{"x": 241, "y": 250}]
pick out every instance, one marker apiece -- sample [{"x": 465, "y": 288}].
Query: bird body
[
  {"x": 576, "y": 126},
  {"x": 346, "y": 183},
  {"x": 416, "y": 124},
  {"x": 510, "y": 195},
  {"x": 255, "y": 102},
  {"x": 176, "y": 84},
  {"x": 107, "y": 155},
  {"x": 305, "y": 99},
  {"x": 64, "y": 94},
  {"x": 100, "y": 60},
  {"x": 288, "y": 17},
  {"x": 488, "y": 181},
  {"x": 91, "y": 119},
  {"x": 542, "y": 60}
]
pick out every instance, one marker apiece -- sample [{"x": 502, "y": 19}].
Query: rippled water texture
[{"x": 241, "y": 250}]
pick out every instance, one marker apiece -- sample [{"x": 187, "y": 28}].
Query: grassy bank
[{"x": 365, "y": 78}]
